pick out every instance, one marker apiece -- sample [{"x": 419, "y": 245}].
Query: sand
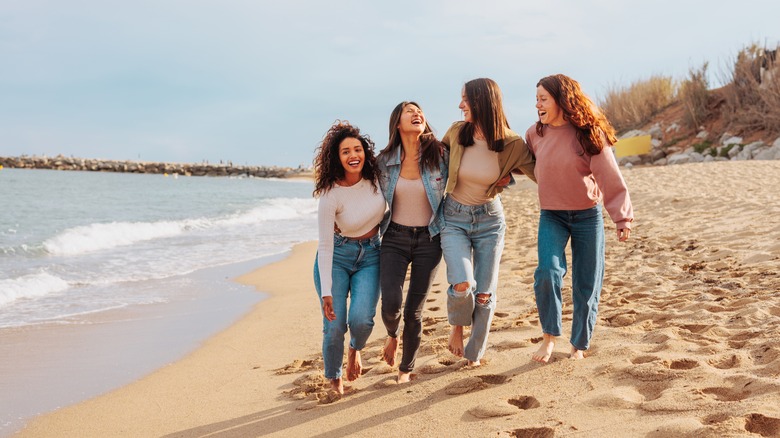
[{"x": 687, "y": 342}]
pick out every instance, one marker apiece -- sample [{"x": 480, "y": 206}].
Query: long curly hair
[
  {"x": 487, "y": 112},
  {"x": 431, "y": 150},
  {"x": 591, "y": 124},
  {"x": 327, "y": 165}
]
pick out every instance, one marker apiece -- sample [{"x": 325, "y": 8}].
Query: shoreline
[
  {"x": 687, "y": 342},
  {"x": 205, "y": 373},
  {"x": 51, "y": 365}
]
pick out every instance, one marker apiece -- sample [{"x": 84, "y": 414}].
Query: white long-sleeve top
[{"x": 356, "y": 210}]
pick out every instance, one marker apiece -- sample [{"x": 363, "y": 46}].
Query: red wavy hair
[{"x": 594, "y": 131}]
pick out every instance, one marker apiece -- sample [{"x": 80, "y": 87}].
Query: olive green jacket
[{"x": 515, "y": 155}]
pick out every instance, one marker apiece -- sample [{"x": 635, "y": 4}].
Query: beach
[{"x": 687, "y": 342}]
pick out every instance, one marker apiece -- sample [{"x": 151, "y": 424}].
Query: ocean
[{"x": 82, "y": 253}]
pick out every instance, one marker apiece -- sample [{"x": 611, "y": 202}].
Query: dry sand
[{"x": 687, "y": 342}]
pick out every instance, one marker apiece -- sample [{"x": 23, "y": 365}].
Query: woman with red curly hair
[
  {"x": 351, "y": 206},
  {"x": 576, "y": 171}
]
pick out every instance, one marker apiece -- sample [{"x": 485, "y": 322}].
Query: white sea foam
[
  {"x": 275, "y": 209},
  {"x": 96, "y": 237},
  {"x": 30, "y": 286}
]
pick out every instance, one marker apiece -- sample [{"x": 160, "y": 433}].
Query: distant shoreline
[{"x": 127, "y": 166}]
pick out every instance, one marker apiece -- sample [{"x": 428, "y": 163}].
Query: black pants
[{"x": 401, "y": 246}]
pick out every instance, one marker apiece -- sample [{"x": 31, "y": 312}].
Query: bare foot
[
  {"x": 337, "y": 385},
  {"x": 391, "y": 347},
  {"x": 474, "y": 364},
  {"x": 456, "y": 340},
  {"x": 545, "y": 350},
  {"x": 404, "y": 377},
  {"x": 577, "y": 354},
  {"x": 354, "y": 365}
]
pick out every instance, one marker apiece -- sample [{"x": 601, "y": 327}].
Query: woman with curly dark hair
[
  {"x": 346, "y": 271},
  {"x": 576, "y": 171}
]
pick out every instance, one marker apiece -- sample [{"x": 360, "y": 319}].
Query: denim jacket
[{"x": 434, "y": 182}]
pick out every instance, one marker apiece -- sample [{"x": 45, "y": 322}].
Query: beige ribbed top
[
  {"x": 479, "y": 169},
  {"x": 410, "y": 203}
]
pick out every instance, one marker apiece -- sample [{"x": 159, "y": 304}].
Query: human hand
[
  {"x": 623, "y": 234},
  {"x": 327, "y": 308}
]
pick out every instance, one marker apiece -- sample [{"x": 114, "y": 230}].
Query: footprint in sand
[
  {"x": 298, "y": 365},
  {"x": 492, "y": 410},
  {"x": 620, "y": 397},
  {"x": 728, "y": 362},
  {"x": 530, "y": 432},
  {"x": 434, "y": 308},
  {"x": 762, "y": 425},
  {"x": 726, "y": 394},
  {"x": 644, "y": 359},
  {"x": 433, "y": 368},
  {"x": 379, "y": 369},
  {"x": 386, "y": 383},
  {"x": 524, "y": 402},
  {"x": 765, "y": 354},
  {"x": 475, "y": 383},
  {"x": 328, "y": 397},
  {"x": 683, "y": 364},
  {"x": 433, "y": 320},
  {"x": 622, "y": 320},
  {"x": 463, "y": 386},
  {"x": 511, "y": 345},
  {"x": 309, "y": 386}
]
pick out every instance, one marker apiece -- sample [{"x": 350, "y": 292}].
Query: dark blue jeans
[
  {"x": 402, "y": 246},
  {"x": 585, "y": 228}
]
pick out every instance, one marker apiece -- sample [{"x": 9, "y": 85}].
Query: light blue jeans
[
  {"x": 586, "y": 230},
  {"x": 472, "y": 241},
  {"x": 355, "y": 279}
]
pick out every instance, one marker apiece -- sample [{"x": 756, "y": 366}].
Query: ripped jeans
[{"x": 472, "y": 241}]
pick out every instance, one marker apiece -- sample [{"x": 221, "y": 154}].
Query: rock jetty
[
  {"x": 95, "y": 165},
  {"x": 707, "y": 147}
]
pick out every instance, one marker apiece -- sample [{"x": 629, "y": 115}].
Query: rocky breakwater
[
  {"x": 705, "y": 147},
  {"x": 184, "y": 169}
]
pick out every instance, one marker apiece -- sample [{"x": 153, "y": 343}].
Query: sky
[{"x": 260, "y": 82}]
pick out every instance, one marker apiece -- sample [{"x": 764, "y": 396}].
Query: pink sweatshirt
[{"x": 570, "y": 179}]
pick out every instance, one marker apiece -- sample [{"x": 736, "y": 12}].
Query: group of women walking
[{"x": 426, "y": 197}]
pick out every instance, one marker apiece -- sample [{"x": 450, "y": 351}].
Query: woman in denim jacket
[{"x": 413, "y": 169}]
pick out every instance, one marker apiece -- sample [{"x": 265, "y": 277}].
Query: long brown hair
[
  {"x": 431, "y": 150},
  {"x": 487, "y": 112},
  {"x": 327, "y": 165},
  {"x": 591, "y": 124}
]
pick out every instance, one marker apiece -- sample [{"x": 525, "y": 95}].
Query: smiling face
[
  {"x": 352, "y": 157},
  {"x": 465, "y": 107},
  {"x": 549, "y": 111},
  {"x": 412, "y": 120}
]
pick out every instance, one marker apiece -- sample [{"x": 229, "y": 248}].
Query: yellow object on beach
[{"x": 633, "y": 146}]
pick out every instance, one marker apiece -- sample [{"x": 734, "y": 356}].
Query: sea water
[
  {"x": 105, "y": 277},
  {"x": 75, "y": 243}
]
